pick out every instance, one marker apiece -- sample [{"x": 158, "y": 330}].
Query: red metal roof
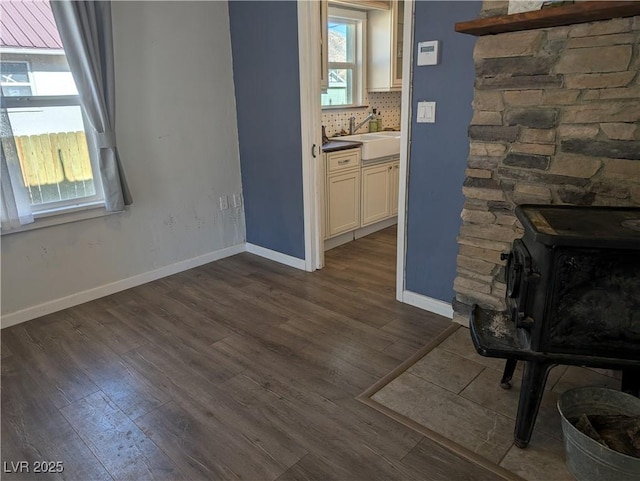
[{"x": 28, "y": 24}]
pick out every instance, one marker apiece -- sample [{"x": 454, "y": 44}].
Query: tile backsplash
[{"x": 387, "y": 103}]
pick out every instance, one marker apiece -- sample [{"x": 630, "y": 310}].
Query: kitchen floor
[
  {"x": 242, "y": 368},
  {"x": 456, "y": 393}
]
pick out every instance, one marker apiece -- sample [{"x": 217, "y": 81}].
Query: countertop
[{"x": 335, "y": 145}]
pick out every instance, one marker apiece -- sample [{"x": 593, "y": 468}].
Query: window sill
[{"x": 63, "y": 216}]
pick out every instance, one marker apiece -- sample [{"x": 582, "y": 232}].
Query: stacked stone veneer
[{"x": 556, "y": 121}]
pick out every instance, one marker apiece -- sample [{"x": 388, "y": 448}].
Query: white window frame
[
  {"x": 359, "y": 19},
  {"x": 57, "y": 208},
  {"x": 29, "y": 83}
]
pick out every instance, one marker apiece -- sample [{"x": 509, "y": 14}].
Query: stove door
[{"x": 595, "y": 306}]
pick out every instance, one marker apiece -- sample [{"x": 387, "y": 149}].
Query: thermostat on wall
[{"x": 428, "y": 52}]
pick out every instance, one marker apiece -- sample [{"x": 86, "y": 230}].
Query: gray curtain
[
  {"x": 15, "y": 201},
  {"x": 85, "y": 30}
]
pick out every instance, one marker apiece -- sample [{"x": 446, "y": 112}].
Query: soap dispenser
[
  {"x": 379, "y": 121},
  {"x": 373, "y": 123}
]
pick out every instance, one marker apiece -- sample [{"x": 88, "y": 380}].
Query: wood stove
[{"x": 573, "y": 297}]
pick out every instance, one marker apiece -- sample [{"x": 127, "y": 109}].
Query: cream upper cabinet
[
  {"x": 398, "y": 34},
  {"x": 376, "y": 193},
  {"x": 324, "y": 45},
  {"x": 384, "y": 48}
]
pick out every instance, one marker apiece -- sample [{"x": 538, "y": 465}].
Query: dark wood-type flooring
[{"x": 239, "y": 369}]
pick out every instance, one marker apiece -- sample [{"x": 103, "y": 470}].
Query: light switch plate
[{"x": 426, "y": 112}]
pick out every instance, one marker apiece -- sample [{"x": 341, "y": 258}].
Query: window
[
  {"x": 51, "y": 153},
  {"x": 15, "y": 81},
  {"x": 346, "y": 55},
  {"x": 51, "y": 144}
]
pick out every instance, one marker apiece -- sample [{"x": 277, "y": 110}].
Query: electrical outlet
[
  {"x": 224, "y": 202},
  {"x": 237, "y": 200}
]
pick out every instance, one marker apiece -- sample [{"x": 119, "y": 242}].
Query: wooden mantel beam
[{"x": 580, "y": 12}]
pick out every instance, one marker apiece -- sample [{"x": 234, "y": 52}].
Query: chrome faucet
[{"x": 353, "y": 128}]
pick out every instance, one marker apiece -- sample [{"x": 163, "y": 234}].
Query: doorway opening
[{"x": 374, "y": 189}]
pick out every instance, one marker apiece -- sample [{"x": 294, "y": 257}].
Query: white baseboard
[
  {"x": 338, "y": 241},
  {"x": 113, "y": 287},
  {"x": 428, "y": 303},
  {"x": 358, "y": 233},
  {"x": 370, "y": 229},
  {"x": 276, "y": 256}
]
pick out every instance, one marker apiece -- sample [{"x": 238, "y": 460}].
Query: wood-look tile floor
[{"x": 239, "y": 369}]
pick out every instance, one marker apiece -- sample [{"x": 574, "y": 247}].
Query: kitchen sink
[{"x": 376, "y": 144}]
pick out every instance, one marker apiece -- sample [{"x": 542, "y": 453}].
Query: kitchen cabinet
[
  {"x": 342, "y": 191},
  {"x": 324, "y": 45},
  {"x": 358, "y": 196},
  {"x": 395, "y": 186},
  {"x": 376, "y": 193},
  {"x": 380, "y": 186},
  {"x": 384, "y": 48}
]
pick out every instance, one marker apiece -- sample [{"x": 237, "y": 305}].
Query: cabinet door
[
  {"x": 385, "y": 30},
  {"x": 376, "y": 193},
  {"x": 379, "y": 40},
  {"x": 324, "y": 45},
  {"x": 395, "y": 187},
  {"x": 343, "y": 202},
  {"x": 396, "y": 47}
]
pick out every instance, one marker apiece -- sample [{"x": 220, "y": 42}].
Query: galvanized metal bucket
[{"x": 587, "y": 459}]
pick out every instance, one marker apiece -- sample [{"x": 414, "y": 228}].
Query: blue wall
[
  {"x": 438, "y": 155},
  {"x": 264, "y": 41}
]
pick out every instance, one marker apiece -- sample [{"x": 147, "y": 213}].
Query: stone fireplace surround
[{"x": 556, "y": 121}]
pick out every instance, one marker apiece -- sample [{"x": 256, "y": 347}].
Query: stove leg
[
  {"x": 531, "y": 391},
  {"x": 509, "y": 369},
  {"x": 631, "y": 381}
]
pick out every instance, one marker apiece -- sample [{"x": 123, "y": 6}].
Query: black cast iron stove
[{"x": 573, "y": 297}]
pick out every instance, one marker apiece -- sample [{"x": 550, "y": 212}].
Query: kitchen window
[{"x": 346, "y": 38}]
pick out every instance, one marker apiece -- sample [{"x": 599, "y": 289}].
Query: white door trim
[
  {"x": 405, "y": 128},
  {"x": 311, "y": 135}
]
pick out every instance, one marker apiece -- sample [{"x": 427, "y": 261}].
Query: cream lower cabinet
[
  {"x": 376, "y": 193},
  {"x": 380, "y": 185},
  {"x": 358, "y": 196},
  {"x": 395, "y": 186},
  {"x": 342, "y": 192}
]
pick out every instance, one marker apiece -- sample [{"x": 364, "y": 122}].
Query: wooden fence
[{"x": 49, "y": 159}]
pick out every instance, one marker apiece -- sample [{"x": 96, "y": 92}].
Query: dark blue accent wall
[
  {"x": 264, "y": 41},
  {"x": 438, "y": 154}
]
